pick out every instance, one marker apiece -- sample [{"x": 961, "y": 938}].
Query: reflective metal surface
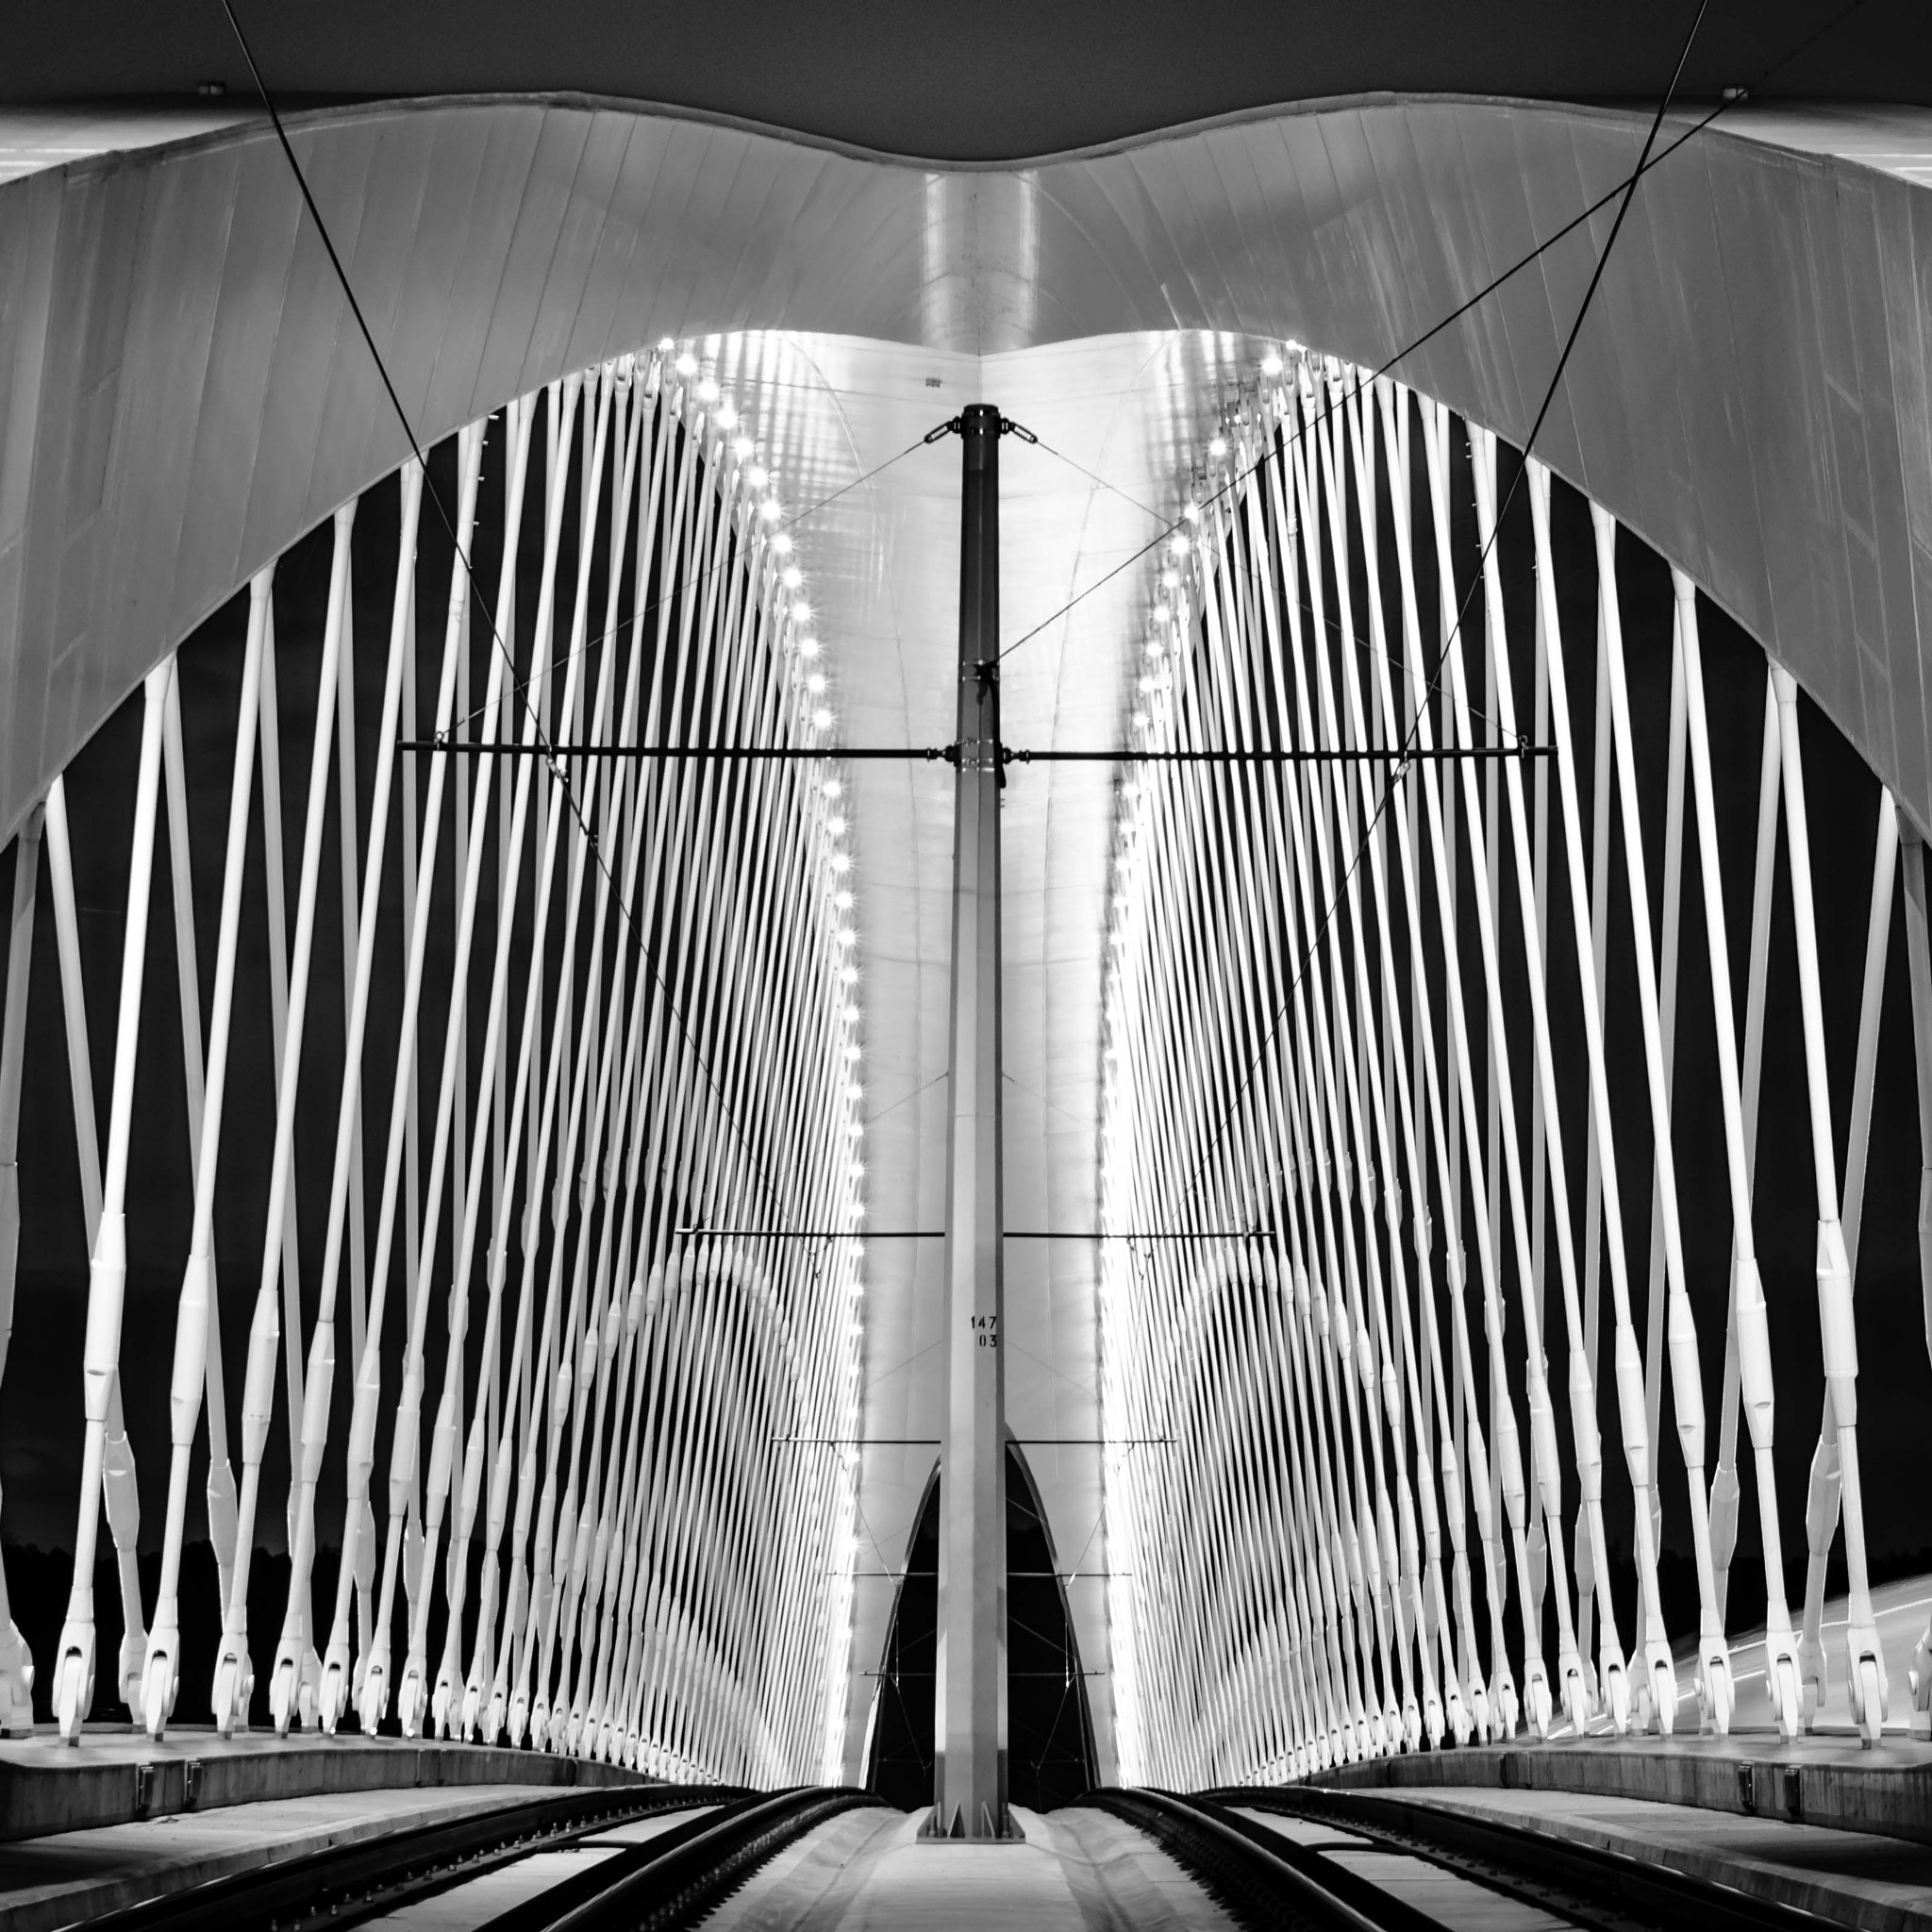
[
  {"x": 182, "y": 393},
  {"x": 881, "y": 565}
]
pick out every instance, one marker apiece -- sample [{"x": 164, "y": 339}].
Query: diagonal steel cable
[
  {"x": 644, "y": 951},
  {"x": 1624, "y": 188},
  {"x": 1399, "y": 775}
]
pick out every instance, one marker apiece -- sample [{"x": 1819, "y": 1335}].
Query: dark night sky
[{"x": 992, "y": 80}]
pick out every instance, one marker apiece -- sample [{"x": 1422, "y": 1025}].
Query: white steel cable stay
[
  {"x": 605, "y": 1081},
  {"x": 1292, "y": 1038}
]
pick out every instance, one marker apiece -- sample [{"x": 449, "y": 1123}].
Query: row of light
[
  {"x": 1169, "y": 626},
  {"x": 800, "y": 643}
]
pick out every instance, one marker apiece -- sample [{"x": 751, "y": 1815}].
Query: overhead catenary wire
[
  {"x": 732, "y": 1168},
  {"x": 435, "y": 496},
  {"x": 784, "y": 526},
  {"x": 1730, "y": 99},
  {"x": 1188, "y": 970},
  {"x": 949, "y": 754},
  {"x": 1629, "y": 190}
]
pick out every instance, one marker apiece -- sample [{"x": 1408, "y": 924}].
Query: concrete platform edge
[
  {"x": 42, "y": 1794},
  {"x": 1835, "y": 1903},
  {"x": 77, "y": 1902},
  {"x": 1804, "y": 1786}
]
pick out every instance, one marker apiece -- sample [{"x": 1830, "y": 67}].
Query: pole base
[{"x": 954, "y": 1832}]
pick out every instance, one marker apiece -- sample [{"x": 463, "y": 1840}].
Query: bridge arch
[
  {"x": 589, "y": 232},
  {"x": 184, "y": 393}
]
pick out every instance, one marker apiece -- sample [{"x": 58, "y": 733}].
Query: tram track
[
  {"x": 1353, "y": 1863},
  {"x": 1267, "y": 1880},
  {"x": 674, "y": 1880},
  {"x": 1263, "y": 1885},
  {"x": 1592, "y": 1885},
  {"x": 351, "y": 1883},
  {"x": 664, "y": 1883}
]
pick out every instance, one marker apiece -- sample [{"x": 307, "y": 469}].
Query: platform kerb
[
  {"x": 46, "y": 1787},
  {"x": 1814, "y": 1780}
]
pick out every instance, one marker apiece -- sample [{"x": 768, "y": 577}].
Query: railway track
[
  {"x": 1267, "y": 1880},
  {"x": 1354, "y": 1862},
  {"x": 668, "y": 1881},
  {"x": 666, "y": 1887}
]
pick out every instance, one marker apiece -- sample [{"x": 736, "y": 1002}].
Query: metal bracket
[
  {"x": 953, "y": 425},
  {"x": 972, "y": 755}
]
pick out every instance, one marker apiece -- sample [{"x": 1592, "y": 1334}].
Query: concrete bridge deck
[
  {"x": 71, "y": 1877},
  {"x": 124, "y": 1778},
  {"x": 260, "y": 1799}
]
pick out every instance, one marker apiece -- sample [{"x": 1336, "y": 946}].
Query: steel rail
[
  {"x": 1259, "y": 1886},
  {"x": 665, "y": 1886},
  {"x": 350, "y": 1883},
  {"x": 1591, "y": 1884}
]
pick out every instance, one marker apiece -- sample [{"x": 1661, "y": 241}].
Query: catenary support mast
[{"x": 970, "y": 1774}]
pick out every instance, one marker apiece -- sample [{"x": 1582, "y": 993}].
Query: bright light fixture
[
  {"x": 835, "y": 825},
  {"x": 744, "y": 448},
  {"x": 1170, "y": 579},
  {"x": 843, "y": 901},
  {"x": 771, "y": 510},
  {"x": 758, "y": 475},
  {"x": 831, "y": 788},
  {"x": 724, "y": 416},
  {"x": 807, "y": 647},
  {"x": 1139, "y": 721},
  {"x": 848, "y": 975},
  {"x": 707, "y": 390},
  {"x": 686, "y": 365},
  {"x": 1217, "y": 446},
  {"x": 1271, "y": 364},
  {"x": 791, "y": 578},
  {"x": 815, "y": 684},
  {"x": 781, "y": 542},
  {"x": 801, "y": 612}
]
